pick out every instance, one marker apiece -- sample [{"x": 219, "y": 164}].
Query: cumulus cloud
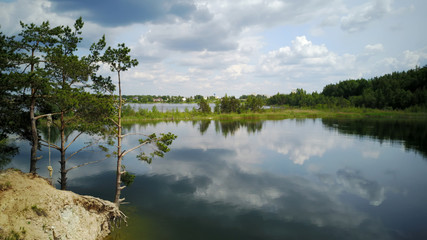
[
  {"x": 302, "y": 53},
  {"x": 242, "y": 14},
  {"x": 415, "y": 58},
  {"x": 232, "y": 46},
  {"x": 374, "y": 47},
  {"x": 193, "y": 37},
  {"x": 305, "y": 60},
  {"x": 359, "y": 17},
  {"x": 29, "y": 11},
  {"x": 405, "y": 60},
  {"x": 239, "y": 69},
  {"x": 114, "y": 13}
]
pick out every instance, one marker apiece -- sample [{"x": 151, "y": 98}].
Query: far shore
[{"x": 274, "y": 114}]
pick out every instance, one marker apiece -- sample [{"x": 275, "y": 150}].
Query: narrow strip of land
[{"x": 135, "y": 116}]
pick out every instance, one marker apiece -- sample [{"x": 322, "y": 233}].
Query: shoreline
[{"x": 277, "y": 114}]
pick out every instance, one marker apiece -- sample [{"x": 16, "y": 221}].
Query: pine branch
[
  {"x": 129, "y": 134},
  {"x": 51, "y": 144},
  {"x": 114, "y": 122},
  {"x": 45, "y": 115},
  {"x": 136, "y": 147},
  {"x": 75, "y": 138},
  {"x": 84, "y": 164},
  {"x": 81, "y": 149}
]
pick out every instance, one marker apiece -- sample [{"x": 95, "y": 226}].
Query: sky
[{"x": 241, "y": 47}]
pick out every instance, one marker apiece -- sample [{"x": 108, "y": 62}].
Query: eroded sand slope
[{"x": 31, "y": 208}]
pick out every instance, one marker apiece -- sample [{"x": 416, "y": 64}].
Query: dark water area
[{"x": 281, "y": 179}]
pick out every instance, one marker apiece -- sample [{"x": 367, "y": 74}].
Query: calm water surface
[
  {"x": 164, "y": 107},
  {"x": 286, "y": 179}
]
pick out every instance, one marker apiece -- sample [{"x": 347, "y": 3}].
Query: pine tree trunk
[
  {"x": 34, "y": 134},
  {"x": 119, "y": 148},
  {"x": 34, "y": 138},
  {"x": 63, "y": 162}
]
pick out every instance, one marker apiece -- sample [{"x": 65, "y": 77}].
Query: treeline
[
  {"x": 223, "y": 105},
  {"x": 233, "y": 105},
  {"x": 179, "y": 99},
  {"x": 399, "y": 90},
  {"x": 166, "y": 99},
  {"x": 154, "y": 98}
]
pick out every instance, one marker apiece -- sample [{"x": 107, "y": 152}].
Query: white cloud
[
  {"x": 238, "y": 69},
  {"x": 29, "y": 11},
  {"x": 304, "y": 60},
  {"x": 405, "y": 60},
  {"x": 234, "y": 46},
  {"x": 374, "y": 47},
  {"x": 302, "y": 53},
  {"x": 363, "y": 15},
  {"x": 414, "y": 58}
]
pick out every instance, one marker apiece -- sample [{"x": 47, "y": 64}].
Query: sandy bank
[{"x": 30, "y": 208}]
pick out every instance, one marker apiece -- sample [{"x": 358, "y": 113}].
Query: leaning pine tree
[{"x": 119, "y": 60}]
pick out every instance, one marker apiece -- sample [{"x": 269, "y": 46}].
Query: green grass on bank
[{"x": 276, "y": 113}]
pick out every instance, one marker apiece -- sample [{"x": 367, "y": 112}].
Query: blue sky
[{"x": 189, "y": 47}]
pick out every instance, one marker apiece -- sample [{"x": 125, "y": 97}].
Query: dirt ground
[{"x": 30, "y": 208}]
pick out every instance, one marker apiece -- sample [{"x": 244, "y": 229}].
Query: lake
[
  {"x": 273, "y": 179},
  {"x": 164, "y": 107}
]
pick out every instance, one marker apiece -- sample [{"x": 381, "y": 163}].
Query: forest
[{"x": 398, "y": 90}]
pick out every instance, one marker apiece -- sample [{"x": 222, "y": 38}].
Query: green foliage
[
  {"x": 161, "y": 145},
  {"x": 392, "y": 91},
  {"x": 127, "y": 178},
  {"x": 204, "y": 106},
  {"x": 399, "y": 90},
  {"x": 40, "y": 71},
  {"x": 254, "y": 103},
  {"x": 118, "y": 58},
  {"x": 230, "y": 104}
]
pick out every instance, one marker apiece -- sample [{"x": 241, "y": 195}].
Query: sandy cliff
[{"x": 30, "y": 208}]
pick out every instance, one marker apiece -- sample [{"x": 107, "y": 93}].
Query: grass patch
[
  {"x": 15, "y": 235},
  {"x": 5, "y": 186},
  {"x": 39, "y": 211}
]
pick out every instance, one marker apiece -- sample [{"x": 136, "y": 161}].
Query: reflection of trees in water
[
  {"x": 7, "y": 151},
  {"x": 204, "y": 125},
  {"x": 412, "y": 132},
  {"x": 226, "y": 127},
  {"x": 230, "y": 127},
  {"x": 128, "y": 126}
]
